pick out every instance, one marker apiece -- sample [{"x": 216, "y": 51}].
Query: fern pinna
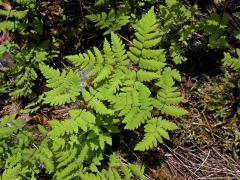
[{"x": 231, "y": 62}]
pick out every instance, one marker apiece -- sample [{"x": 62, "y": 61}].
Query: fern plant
[
  {"x": 119, "y": 86},
  {"x": 100, "y": 2},
  {"x": 29, "y": 4}
]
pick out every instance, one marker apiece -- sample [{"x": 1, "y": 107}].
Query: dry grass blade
[{"x": 213, "y": 164}]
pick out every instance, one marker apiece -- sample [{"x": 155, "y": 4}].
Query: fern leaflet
[
  {"x": 234, "y": 63},
  {"x": 155, "y": 130},
  {"x": 65, "y": 85}
]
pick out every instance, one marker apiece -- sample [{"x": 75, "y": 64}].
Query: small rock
[{"x": 7, "y": 61}]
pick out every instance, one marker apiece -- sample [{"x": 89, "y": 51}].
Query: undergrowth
[{"x": 122, "y": 77}]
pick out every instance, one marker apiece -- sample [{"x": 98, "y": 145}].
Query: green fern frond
[
  {"x": 7, "y": 25},
  {"x": 168, "y": 97},
  {"x": 10, "y": 24},
  {"x": 9, "y": 125},
  {"x": 104, "y": 138},
  {"x": 64, "y": 158},
  {"x": 12, "y": 173},
  {"x": 137, "y": 170},
  {"x": 147, "y": 38},
  {"x": 112, "y": 21},
  {"x": 24, "y": 83},
  {"x": 134, "y": 105},
  {"x": 94, "y": 100},
  {"x": 65, "y": 85},
  {"x": 13, "y": 13},
  {"x": 45, "y": 157},
  {"x": 80, "y": 119},
  {"x": 118, "y": 49},
  {"x": 100, "y": 2},
  {"x": 176, "y": 53},
  {"x": 74, "y": 141},
  {"x": 33, "y": 106},
  {"x": 114, "y": 83},
  {"x": 24, "y": 71},
  {"x": 145, "y": 76},
  {"x": 101, "y": 66},
  {"x": 232, "y": 62},
  {"x": 155, "y": 130},
  {"x": 76, "y": 164},
  {"x": 29, "y": 4},
  {"x": 215, "y": 27},
  {"x": 117, "y": 170}
]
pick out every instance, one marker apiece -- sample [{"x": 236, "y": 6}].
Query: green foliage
[
  {"x": 100, "y": 2},
  {"x": 216, "y": 28},
  {"x": 112, "y": 21},
  {"x": 155, "y": 130},
  {"x": 117, "y": 170},
  {"x": 25, "y": 74},
  {"x": 9, "y": 126},
  {"x": 232, "y": 62},
  {"x": 73, "y": 148},
  {"x": 168, "y": 97},
  {"x": 114, "y": 81},
  {"x": 15, "y": 149},
  {"x": 16, "y": 24},
  {"x": 5, "y": 48},
  {"x": 134, "y": 105},
  {"x": 11, "y": 173},
  {"x": 10, "y": 24},
  {"x": 23, "y": 69},
  {"x": 29, "y": 4},
  {"x": 17, "y": 19},
  {"x": 65, "y": 85},
  {"x": 116, "y": 87},
  {"x": 102, "y": 65},
  {"x": 176, "y": 14},
  {"x": 13, "y": 13},
  {"x": 147, "y": 38},
  {"x": 175, "y": 18}
]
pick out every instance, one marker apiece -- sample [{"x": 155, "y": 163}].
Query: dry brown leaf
[
  {"x": 41, "y": 119},
  {"x": 5, "y": 36},
  {"x": 6, "y": 5},
  {"x": 7, "y": 61},
  {"x": 13, "y": 108}
]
